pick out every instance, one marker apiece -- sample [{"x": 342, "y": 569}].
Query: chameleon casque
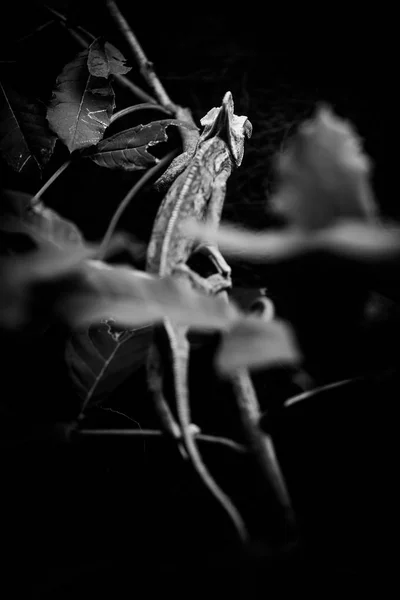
[{"x": 197, "y": 193}]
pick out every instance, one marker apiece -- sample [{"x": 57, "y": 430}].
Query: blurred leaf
[
  {"x": 253, "y": 343},
  {"x": 36, "y": 284},
  {"x": 128, "y": 149},
  {"x": 57, "y": 249},
  {"x": 355, "y": 241},
  {"x": 131, "y": 298},
  {"x": 104, "y": 60},
  {"x": 323, "y": 175},
  {"x": 26, "y": 142},
  {"x": 40, "y": 223},
  {"x": 101, "y": 357},
  {"x": 255, "y": 246},
  {"x": 82, "y": 105}
]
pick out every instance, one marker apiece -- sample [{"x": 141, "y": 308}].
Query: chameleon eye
[{"x": 248, "y": 129}]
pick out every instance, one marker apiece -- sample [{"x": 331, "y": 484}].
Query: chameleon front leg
[
  {"x": 211, "y": 285},
  {"x": 213, "y": 216},
  {"x": 213, "y": 253}
]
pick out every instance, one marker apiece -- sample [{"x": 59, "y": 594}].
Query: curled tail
[{"x": 180, "y": 352}]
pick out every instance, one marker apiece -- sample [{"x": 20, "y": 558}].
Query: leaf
[
  {"x": 59, "y": 251},
  {"x": 26, "y": 142},
  {"x": 101, "y": 357},
  {"x": 104, "y": 60},
  {"x": 128, "y": 149},
  {"x": 40, "y": 223},
  {"x": 82, "y": 105},
  {"x": 132, "y": 298},
  {"x": 324, "y": 175},
  {"x": 351, "y": 240},
  {"x": 253, "y": 343},
  {"x": 256, "y": 246}
]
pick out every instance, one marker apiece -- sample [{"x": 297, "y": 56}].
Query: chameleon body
[{"x": 198, "y": 193}]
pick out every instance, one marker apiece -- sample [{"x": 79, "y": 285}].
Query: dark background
[{"x": 110, "y": 516}]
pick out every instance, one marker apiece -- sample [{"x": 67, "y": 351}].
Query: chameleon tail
[{"x": 180, "y": 351}]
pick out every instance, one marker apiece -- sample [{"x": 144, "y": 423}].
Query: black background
[{"x": 123, "y": 517}]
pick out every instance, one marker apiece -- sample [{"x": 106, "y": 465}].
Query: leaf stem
[
  {"x": 146, "y": 67},
  {"x": 156, "y": 433},
  {"x": 36, "y": 197},
  {"x": 131, "y": 194},
  {"x": 144, "y": 106}
]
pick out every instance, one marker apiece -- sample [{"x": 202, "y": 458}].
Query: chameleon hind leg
[
  {"x": 180, "y": 346},
  {"x": 156, "y": 386},
  {"x": 180, "y": 350}
]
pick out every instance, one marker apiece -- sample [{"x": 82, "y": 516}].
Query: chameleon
[{"x": 197, "y": 193}]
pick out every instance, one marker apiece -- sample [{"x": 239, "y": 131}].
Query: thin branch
[
  {"x": 315, "y": 391},
  {"x": 36, "y": 31},
  {"x": 131, "y": 194},
  {"x": 146, "y": 67},
  {"x": 212, "y": 439},
  {"x": 64, "y": 20},
  {"x": 36, "y": 197},
  {"x": 137, "y": 91}
]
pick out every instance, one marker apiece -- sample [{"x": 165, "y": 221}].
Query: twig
[
  {"x": 315, "y": 391},
  {"x": 146, "y": 67},
  {"x": 132, "y": 192},
  {"x": 37, "y": 30},
  {"x": 84, "y": 43},
  {"x": 36, "y": 197},
  {"x": 212, "y": 439}
]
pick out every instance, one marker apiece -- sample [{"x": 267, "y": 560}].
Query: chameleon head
[{"x": 222, "y": 122}]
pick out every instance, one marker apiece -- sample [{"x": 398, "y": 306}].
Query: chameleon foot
[{"x": 216, "y": 258}]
